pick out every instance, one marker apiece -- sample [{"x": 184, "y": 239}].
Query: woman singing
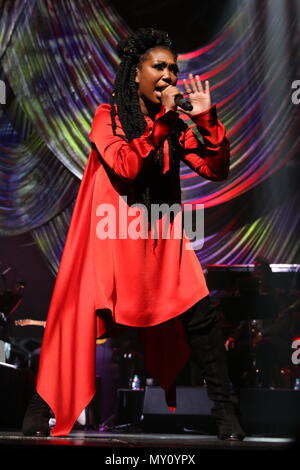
[{"x": 112, "y": 276}]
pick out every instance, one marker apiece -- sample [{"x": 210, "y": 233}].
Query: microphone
[{"x": 184, "y": 103}]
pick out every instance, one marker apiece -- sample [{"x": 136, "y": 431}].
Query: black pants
[{"x": 206, "y": 341}]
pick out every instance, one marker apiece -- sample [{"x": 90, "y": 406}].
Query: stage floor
[{"x": 114, "y": 445}]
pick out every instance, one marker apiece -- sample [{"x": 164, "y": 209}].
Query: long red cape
[
  {"x": 108, "y": 274},
  {"x": 66, "y": 379}
]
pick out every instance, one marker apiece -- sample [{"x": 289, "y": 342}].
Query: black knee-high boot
[
  {"x": 207, "y": 347},
  {"x": 36, "y": 419}
]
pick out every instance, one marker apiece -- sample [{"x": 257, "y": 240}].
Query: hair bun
[{"x": 141, "y": 41}]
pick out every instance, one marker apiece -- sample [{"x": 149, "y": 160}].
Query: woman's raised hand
[{"x": 199, "y": 97}]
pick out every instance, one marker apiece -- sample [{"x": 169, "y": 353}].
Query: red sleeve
[
  {"x": 211, "y": 158},
  {"x": 126, "y": 158}
]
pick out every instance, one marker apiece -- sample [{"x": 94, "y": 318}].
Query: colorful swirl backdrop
[{"x": 58, "y": 61}]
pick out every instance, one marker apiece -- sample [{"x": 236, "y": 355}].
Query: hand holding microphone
[
  {"x": 199, "y": 99},
  {"x": 171, "y": 97}
]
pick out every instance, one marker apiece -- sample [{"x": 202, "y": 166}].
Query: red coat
[{"x": 142, "y": 282}]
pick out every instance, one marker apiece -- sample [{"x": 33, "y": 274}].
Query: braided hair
[{"x": 125, "y": 94}]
